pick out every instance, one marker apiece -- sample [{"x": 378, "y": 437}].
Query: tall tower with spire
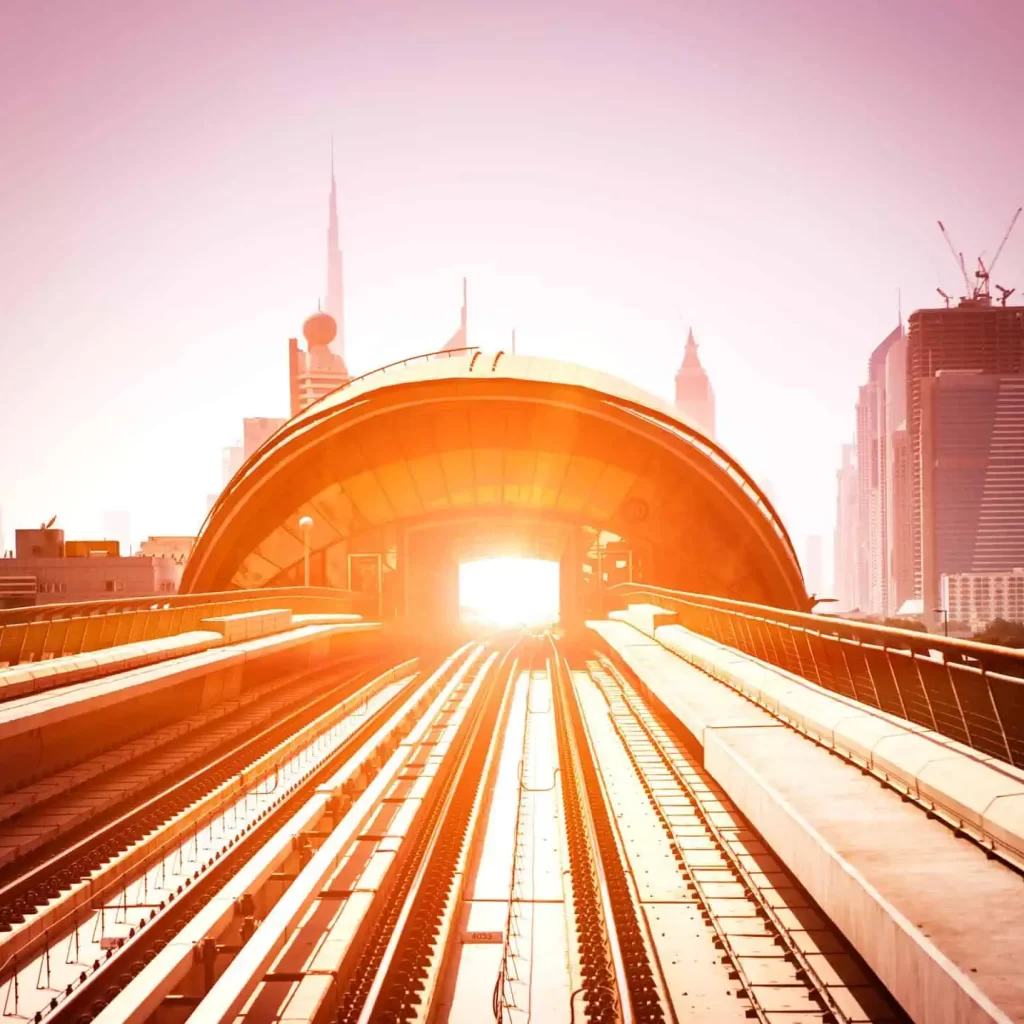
[
  {"x": 335, "y": 301},
  {"x": 695, "y": 398},
  {"x": 460, "y": 339}
]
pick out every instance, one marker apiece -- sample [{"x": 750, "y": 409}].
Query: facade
[
  {"x": 814, "y": 575},
  {"x": 846, "y": 539},
  {"x": 971, "y": 480},
  {"x": 695, "y": 397},
  {"x": 974, "y": 336},
  {"x": 47, "y": 570},
  {"x": 872, "y": 479},
  {"x": 898, "y": 480},
  {"x": 174, "y": 547},
  {"x": 315, "y": 371},
  {"x": 231, "y": 461},
  {"x": 975, "y": 599},
  {"x": 257, "y": 430}
]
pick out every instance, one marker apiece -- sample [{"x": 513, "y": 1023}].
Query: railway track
[
  {"x": 522, "y": 834},
  {"x": 87, "y": 902},
  {"x": 785, "y": 961}
]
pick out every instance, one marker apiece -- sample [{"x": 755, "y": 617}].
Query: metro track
[
  {"x": 56, "y": 899},
  {"x": 523, "y": 834}
]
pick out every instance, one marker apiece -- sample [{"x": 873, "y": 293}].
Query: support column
[{"x": 570, "y": 581}]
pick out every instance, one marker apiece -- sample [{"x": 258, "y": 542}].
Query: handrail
[
  {"x": 968, "y": 691},
  {"x": 44, "y": 612}
]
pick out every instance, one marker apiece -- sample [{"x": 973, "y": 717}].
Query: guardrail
[
  {"x": 968, "y": 691},
  {"x": 37, "y": 632}
]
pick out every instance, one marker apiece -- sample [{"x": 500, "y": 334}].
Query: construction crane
[
  {"x": 945, "y": 296},
  {"x": 958, "y": 256},
  {"x": 983, "y": 272},
  {"x": 1004, "y": 294}
]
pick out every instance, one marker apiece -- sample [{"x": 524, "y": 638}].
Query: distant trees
[
  {"x": 897, "y": 623},
  {"x": 1002, "y": 633},
  {"x": 906, "y": 624}
]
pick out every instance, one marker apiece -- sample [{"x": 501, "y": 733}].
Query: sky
[{"x": 606, "y": 174}]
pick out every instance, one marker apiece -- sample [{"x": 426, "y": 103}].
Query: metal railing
[
  {"x": 37, "y": 632},
  {"x": 971, "y": 692}
]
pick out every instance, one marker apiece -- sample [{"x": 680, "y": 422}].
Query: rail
[
  {"x": 971, "y": 692},
  {"x": 41, "y": 631}
]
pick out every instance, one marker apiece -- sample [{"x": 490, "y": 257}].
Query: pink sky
[{"x": 606, "y": 174}]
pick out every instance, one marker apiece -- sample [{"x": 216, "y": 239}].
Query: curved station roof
[{"x": 496, "y": 444}]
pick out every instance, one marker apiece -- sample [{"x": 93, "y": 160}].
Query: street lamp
[
  {"x": 306, "y": 524},
  {"x": 944, "y": 612}
]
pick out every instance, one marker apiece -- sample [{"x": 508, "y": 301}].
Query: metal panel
[
  {"x": 943, "y": 699},
  {"x": 581, "y": 475},
  {"x": 75, "y": 635},
  {"x": 488, "y": 476},
  {"x": 1008, "y": 700},
  {"x": 547, "y": 484},
  {"x": 32, "y": 649},
  {"x": 53, "y": 646},
  {"x": 520, "y": 472},
  {"x": 122, "y": 627},
  {"x": 397, "y": 483},
  {"x": 912, "y": 692},
  {"x": 458, "y": 474},
  {"x": 12, "y": 639},
  {"x": 977, "y": 707},
  {"x": 609, "y": 492},
  {"x": 880, "y": 670},
  {"x": 428, "y": 477}
]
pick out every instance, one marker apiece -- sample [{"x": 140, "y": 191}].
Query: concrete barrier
[{"x": 936, "y": 919}]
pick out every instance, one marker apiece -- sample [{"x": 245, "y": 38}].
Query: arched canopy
[{"x": 491, "y": 448}]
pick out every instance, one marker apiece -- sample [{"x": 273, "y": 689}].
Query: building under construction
[{"x": 957, "y": 436}]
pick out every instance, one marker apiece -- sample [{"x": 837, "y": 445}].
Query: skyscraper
[
  {"x": 460, "y": 339},
  {"x": 975, "y": 336},
  {"x": 845, "y": 545},
  {"x": 872, "y": 479},
  {"x": 334, "y": 303},
  {"x": 321, "y": 368},
  {"x": 256, "y": 430},
  {"x": 898, "y": 480},
  {"x": 315, "y": 371},
  {"x": 231, "y": 461},
  {"x": 695, "y": 397},
  {"x": 971, "y": 483},
  {"x": 813, "y": 565}
]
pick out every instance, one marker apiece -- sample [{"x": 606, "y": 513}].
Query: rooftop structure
[{"x": 419, "y": 463}]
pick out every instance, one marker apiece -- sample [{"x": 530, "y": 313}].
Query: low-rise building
[
  {"x": 978, "y": 598},
  {"x": 47, "y": 570}
]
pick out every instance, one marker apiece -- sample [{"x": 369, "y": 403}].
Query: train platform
[
  {"x": 930, "y": 908},
  {"x": 36, "y": 676},
  {"x": 46, "y": 731}
]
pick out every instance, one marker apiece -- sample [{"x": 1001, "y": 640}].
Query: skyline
[{"x": 600, "y": 215}]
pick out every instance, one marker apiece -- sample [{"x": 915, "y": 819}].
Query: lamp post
[
  {"x": 944, "y": 612},
  {"x": 306, "y": 524}
]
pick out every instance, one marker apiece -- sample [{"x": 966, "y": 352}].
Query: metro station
[{"x": 654, "y": 785}]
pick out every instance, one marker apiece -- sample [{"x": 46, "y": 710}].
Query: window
[{"x": 113, "y": 585}]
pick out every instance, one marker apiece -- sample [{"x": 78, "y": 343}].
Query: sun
[{"x": 509, "y": 591}]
